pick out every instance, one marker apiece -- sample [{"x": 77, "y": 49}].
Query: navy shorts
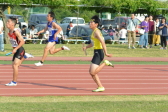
[
  {"x": 98, "y": 56},
  {"x": 19, "y": 54}
]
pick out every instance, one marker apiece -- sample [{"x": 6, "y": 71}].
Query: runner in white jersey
[{"x": 54, "y": 29}]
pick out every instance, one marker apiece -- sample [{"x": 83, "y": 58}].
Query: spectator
[
  {"x": 103, "y": 30},
  {"x": 69, "y": 28},
  {"x": 143, "y": 41},
  {"x": 1, "y": 37},
  {"x": 163, "y": 26},
  {"x": 122, "y": 33},
  {"x": 156, "y": 36},
  {"x": 18, "y": 24},
  {"x": 111, "y": 32},
  {"x": 132, "y": 25},
  {"x": 33, "y": 33},
  {"x": 23, "y": 32},
  {"x": 151, "y": 30}
]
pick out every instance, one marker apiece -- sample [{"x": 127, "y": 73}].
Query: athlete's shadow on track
[
  {"x": 156, "y": 69},
  {"x": 63, "y": 87}
]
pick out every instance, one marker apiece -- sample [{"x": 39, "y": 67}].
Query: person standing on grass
[
  {"x": 54, "y": 30},
  {"x": 156, "y": 36},
  {"x": 132, "y": 25},
  {"x": 151, "y": 30},
  {"x": 163, "y": 26},
  {"x": 1, "y": 37},
  {"x": 99, "y": 50},
  {"x": 143, "y": 40},
  {"x": 19, "y": 53}
]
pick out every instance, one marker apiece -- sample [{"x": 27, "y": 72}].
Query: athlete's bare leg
[
  {"x": 15, "y": 65},
  {"x": 46, "y": 49},
  {"x": 94, "y": 69},
  {"x": 53, "y": 50}
]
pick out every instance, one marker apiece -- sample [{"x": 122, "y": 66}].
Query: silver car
[{"x": 85, "y": 32}]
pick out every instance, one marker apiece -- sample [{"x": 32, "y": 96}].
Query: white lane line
[
  {"x": 57, "y": 84},
  {"x": 71, "y": 88},
  {"x": 81, "y": 69},
  {"x": 92, "y": 79},
  {"x": 87, "y": 76},
  {"x": 87, "y": 72}
]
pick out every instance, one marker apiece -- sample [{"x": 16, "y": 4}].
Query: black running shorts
[
  {"x": 19, "y": 54},
  {"x": 98, "y": 56}
]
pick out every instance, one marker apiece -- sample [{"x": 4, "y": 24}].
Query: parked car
[
  {"x": 107, "y": 23},
  {"x": 75, "y": 20},
  {"x": 36, "y": 19},
  {"x": 20, "y": 18},
  {"x": 85, "y": 32}
]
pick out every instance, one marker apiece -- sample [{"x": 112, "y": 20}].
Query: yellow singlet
[{"x": 97, "y": 44}]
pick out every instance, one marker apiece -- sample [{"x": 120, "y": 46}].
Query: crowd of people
[{"x": 152, "y": 32}]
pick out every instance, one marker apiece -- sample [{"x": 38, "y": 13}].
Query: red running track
[{"x": 67, "y": 80}]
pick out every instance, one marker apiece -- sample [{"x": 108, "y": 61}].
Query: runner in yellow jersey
[{"x": 99, "y": 51}]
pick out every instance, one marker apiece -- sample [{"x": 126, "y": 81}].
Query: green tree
[{"x": 31, "y": 3}]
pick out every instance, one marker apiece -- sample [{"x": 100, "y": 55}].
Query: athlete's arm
[
  {"x": 44, "y": 30},
  {"x": 97, "y": 35},
  {"x": 20, "y": 38},
  {"x": 88, "y": 46},
  {"x": 59, "y": 29}
]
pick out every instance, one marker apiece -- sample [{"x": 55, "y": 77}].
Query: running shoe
[
  {"x": 161, "y": 48},
  {"x": 65, "y": 48},
  {"x": 27, "y": 55},
  {"x": 165, "y": 48},
  {"x": 108, "y": 63},
  {"x": 99, "y": 89},
  {"x": 133, "y": 47},
  {"x": 12, "y": 83},
  {"x": 39, "y": 64}
]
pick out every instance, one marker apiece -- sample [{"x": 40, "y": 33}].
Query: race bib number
[
  {"x": 13, "y": 42},
  {"x": 50, "y": 31}
]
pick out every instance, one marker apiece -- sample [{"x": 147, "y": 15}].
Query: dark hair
[
  {"x": 163, "y": 18},
  {"x": 156, "y": 18},
  {"x": 96, "y": 19},
  {"x": 146, "y": 17},
  {"x": 52, "y": 14},
  {"x": 13, "y": 19},
  {"x": 24, "y": 26},
  {"x": 32, "y": 26}
]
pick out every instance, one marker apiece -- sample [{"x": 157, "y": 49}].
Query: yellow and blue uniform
[{"x": 98, "y": 49}]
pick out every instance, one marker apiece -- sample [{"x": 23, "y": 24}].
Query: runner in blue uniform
[{"x": 54, "y": 29}]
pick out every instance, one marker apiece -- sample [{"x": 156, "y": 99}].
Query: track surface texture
[{"x": 69, "y": 80}]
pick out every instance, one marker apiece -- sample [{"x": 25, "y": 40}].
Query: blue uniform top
[{"x": 51, "y": 32}]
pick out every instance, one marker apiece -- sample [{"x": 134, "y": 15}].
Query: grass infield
[
  {"x": 117, "y": 50},
  {"x": 134, "y": 103}
]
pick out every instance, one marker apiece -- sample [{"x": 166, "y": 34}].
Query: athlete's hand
[
  {"x": 84, "y": 48},
  {"x": 38, "y": 33},
  {"x": 108, "y": 55},
  {"x": 14, "y": 51}
]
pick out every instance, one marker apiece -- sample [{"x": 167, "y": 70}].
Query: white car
[{"x": 75, "y": 20}]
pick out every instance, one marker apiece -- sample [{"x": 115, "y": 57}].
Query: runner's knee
[{"x": 92, "y": 73}]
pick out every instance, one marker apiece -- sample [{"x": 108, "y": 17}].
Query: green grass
[
  {"x": 88, "y": 62},
  {"x": 134, "y": 103},
  {"x": 117, "y": 50}
]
